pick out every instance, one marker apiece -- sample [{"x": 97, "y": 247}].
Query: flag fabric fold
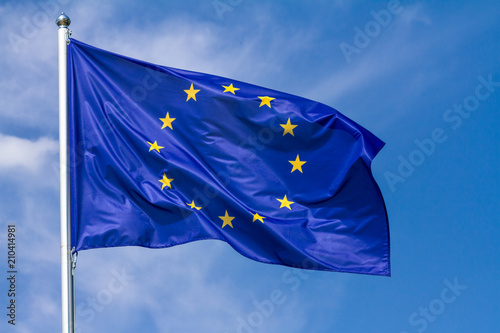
[{"x": 161, "y": 156}]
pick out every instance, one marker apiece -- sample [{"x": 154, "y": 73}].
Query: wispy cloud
[
  {"x": 201, "y": 45},
  {"x": 29, "y": 68},
  {"x": 26, "y": 154},
  {"x": 386, "y": 54}
]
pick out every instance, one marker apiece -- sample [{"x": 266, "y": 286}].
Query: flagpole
[{"x": 67, "y": 277}]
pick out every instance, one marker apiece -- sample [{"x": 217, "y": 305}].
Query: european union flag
[{"x": 162, "y": 156}]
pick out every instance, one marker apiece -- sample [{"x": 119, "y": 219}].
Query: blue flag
[{"x": 162, "y": 156}]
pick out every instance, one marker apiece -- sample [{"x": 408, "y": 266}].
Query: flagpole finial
[{"x": 63, "y": 21}]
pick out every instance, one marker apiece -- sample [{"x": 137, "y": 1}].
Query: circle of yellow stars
[{"x": 288, "y": 128}]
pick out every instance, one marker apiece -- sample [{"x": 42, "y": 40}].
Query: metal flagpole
[{"x": 67, "y": 277}]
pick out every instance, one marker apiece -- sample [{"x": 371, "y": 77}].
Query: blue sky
[{"x": 423, "y": 76}]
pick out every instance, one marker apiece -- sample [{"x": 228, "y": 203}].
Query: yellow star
[
  {"x": 226, "y": 220},
  {"x": 256, "y": 217},
  {"x": 288, "y": 127},
  {"x": 265, "y": 100},
  {"x": 167, "y": 121},
  {"x": 155, "y": 146},
  {"x": 230, "y": 88},
  {"x": 191, "y": 93},
  {"x": 165, "y": 181},
  {"x": 285, "y": 203},
  {"x": 192, "y": 205},
  {"x": 297, "y": 164}
]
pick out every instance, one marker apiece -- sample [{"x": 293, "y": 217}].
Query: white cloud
[
  {"x": 386, "y": 53},
  {"x": 26, "y": 154},
  {"x": 204, "y": 46}
]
